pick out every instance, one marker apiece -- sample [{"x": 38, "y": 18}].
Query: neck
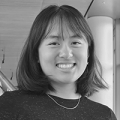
[{"x": 67, "y": 91}]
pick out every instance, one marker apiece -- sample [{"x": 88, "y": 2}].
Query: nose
[{"x": 65, "y": 52}]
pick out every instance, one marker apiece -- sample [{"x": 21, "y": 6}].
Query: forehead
[{"x": 62, "y": 28}]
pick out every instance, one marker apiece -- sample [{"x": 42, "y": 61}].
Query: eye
[
  {"x": 54, "y": 43},
  {"x": 76, "y": 43}
]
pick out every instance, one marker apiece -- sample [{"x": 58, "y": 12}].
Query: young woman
[{"x": 57, "y": 71}]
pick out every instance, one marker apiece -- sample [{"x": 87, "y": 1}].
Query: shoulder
[
  {"x": 7, "y": 104},
  {"x": 95, "y": 105},
  {"x": 98, "y": 109},
  {"x": 11, "y": 95},
  {"x": 9, "y": 99},
  {"x": 14, "y": 103},
  {"x": 20, "y": 95},
  {"x": 8, "y": 96}
]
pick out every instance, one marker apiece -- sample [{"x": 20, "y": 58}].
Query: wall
[
  {"x": 102, "y": 28},
  {"x": 117, "y": 69}
]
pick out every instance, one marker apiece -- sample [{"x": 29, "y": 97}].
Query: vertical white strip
[
  {"x": 102, "y": 29},
  {"x": 117, "y": 69}
]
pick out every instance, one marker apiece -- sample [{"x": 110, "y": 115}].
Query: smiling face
[{"x": 63, "y": 58}]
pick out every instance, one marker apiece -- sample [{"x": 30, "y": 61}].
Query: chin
[{"x": 66, "y": 81}]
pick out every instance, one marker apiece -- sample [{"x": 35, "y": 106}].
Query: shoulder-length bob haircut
[{"x": 29, "y": 74}]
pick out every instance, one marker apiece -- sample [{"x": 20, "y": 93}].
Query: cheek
[
  {"x": 44, "y": 54},
  {"x": 46, "y": 60},
  {"x": 81, "y": 54},
  {"x": 82, "y": 60}
]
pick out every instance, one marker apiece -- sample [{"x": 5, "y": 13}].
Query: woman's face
[{"x": 63, "y": 59}]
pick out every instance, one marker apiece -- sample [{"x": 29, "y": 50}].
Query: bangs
[{"x": 64, "y": 20}]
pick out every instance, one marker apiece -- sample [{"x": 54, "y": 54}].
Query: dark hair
[{"x": 29, "y": 74}]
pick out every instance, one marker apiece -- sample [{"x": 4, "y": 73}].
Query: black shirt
[{"x": 21, "y": 105}]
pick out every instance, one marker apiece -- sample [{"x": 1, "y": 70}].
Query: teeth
[{"x": 65, "y": 65}]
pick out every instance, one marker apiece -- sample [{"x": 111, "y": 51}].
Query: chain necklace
[{"x": 62, "y": 105}]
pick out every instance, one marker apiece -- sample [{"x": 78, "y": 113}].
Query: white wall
[
  {"x": 117, "y": 69},
  {"x": 102, "y": 29}
]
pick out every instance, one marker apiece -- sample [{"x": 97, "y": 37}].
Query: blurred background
[{"x": 103, "y": 17}]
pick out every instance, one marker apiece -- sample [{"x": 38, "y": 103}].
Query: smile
[{"x": 65, "y": 66}]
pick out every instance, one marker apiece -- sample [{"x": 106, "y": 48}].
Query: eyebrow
[
  {"x": 77, "y": 36},
  {"x": 59, "y": 36},
  {"x": 54, "y": 36}
]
